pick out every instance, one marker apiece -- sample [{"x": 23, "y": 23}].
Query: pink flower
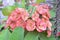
[
  {"x": 45, "y": 17},
  {"x": 17, "y": 18},
  {"x": 39, "y": 9},
  {"x": 21, "y": 23},
  {"x": 48, "y": 14},
  {"x": 30, "y": 26},
  {"x": 11, "y": 23},
  {"x": 38, "y": 20},
  {"x": 58, "y": 34},
  {"x": 24, "y": 14},
  {"x": 12, "y": 26},
  {"x": 48, "y": 33},
  {"x": 49, "y": 25},
  {"x": 41, "y": 25},
  {"x": 39, "y": 30},
  {"x": 15, "y": 23},
  {"x": 35, "y": 16},
  {"x": 20, "y": 12},
  {"x": 43, "y": 9},
  {"x": 35, "y": 5}
]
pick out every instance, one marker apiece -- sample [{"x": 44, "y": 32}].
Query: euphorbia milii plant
[{"x": 38, "y": 21}]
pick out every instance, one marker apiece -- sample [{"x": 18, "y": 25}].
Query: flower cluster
[
  {"x": 39, "y": 19},
  {"x": 17, "y": 18}
]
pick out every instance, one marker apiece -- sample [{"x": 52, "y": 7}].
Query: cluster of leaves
[{"x": 20, "y": 34}]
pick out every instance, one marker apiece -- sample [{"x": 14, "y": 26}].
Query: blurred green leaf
[
  {"x": 7, "y": 10},
  {"x": 52, "y": 13},
  {"x": 32, "y": 12},
  {"x": 23, "y": 3},
  {"x": 40, "y": 1},
  {"x": 58, "y": 38},
  {"x": 4, "y": 35},
  {"x": 53, "y": 25},
  {"x": 43, "y": 36},
  {"x": 18, "y": 5},
  {"x": 29, "y": 8},
  {"x": 1, "y": 25},
  {"x": 31, "y": 36},
  {"x": 0, "y": 0},
  {"x": 17, "y": 34},
  {"x": 3, "y": 22}
]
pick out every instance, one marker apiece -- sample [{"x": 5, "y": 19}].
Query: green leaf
[
  {"x": 43, "y": 36},
  {"x": 7, "y": 10},
  {"x": 29, "y": 8},
  {"x": 58, "y": 38},
  {"x": 40, "y": 1},
  {"x": 23, "y": 3},
  {"x": 53, "y": 24},
  {"x": 3, "y": 22},
  {"x": 1, "y": 25},
  {"x": 18, "y": 5},
  {"x": 31, "y": 36},
  {"x": 33, "y": 10},
  {"x": 17, "y": 34},
  {"x": 52, "y": 13},
  {"x": 4, "y": 35}
]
